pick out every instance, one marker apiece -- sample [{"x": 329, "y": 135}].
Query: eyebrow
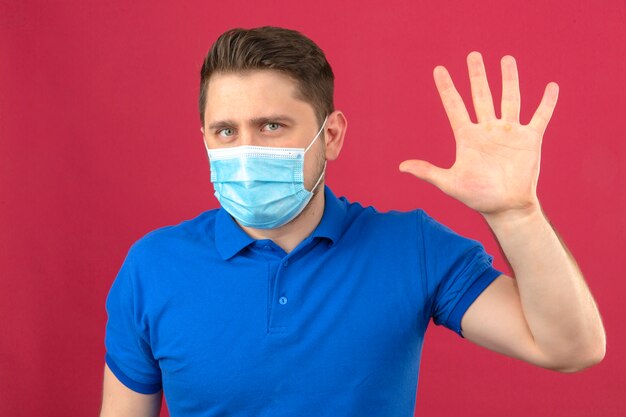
[{"x": 254, "y": 121}]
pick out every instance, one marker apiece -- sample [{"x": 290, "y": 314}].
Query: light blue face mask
[{"x": 261, "y": 187}]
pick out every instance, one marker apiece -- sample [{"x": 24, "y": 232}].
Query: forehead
[{"x": 253, "y": 93}]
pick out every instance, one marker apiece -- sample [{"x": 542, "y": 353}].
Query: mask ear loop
[
  {"x": 316, "y": 136},
  {"x": 320, "y": 178},
  {"x": 325, "y": 162}
]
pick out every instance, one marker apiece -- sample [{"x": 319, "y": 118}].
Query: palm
[
  {"x": 495, "y": 168},
  {"x": 497, "y": 160}
]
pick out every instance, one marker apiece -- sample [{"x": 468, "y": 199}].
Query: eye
[
  {"x": 226, "y": 132},
  {"x": 272, "y": 127}
]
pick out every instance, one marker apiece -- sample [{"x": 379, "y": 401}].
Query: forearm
[{"x": 558, "y": 306}]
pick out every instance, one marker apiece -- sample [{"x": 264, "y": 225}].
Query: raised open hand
[{"x": 497, "y": 160}]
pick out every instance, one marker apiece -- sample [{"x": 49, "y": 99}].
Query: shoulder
[
  {"x": 396, "y": 225},
  {"x": 383, "y": 223},
  {"x": 175, "y": 237},
  {"x": 370, "y": 212}
]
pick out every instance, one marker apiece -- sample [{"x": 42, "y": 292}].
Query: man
[{"x": 290, "y": 301}]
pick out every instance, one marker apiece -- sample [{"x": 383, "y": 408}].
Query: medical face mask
[{"x": 262, "y": 187}]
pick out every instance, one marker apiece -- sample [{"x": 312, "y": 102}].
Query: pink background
[{"x": 100, "y": 143}]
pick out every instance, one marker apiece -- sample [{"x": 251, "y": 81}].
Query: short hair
[{"x": 273, "y": 48}]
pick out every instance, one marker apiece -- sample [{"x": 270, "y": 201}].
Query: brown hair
[{"x": 272, "y": 48}]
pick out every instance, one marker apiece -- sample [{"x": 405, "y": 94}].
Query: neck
[{"x": 291, "y": 234}]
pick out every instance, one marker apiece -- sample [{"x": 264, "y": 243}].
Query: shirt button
[
  {"x": 266, "y": 247},
  {"x": 282, "y": 300},
  {"x": 285, "y": 264}
]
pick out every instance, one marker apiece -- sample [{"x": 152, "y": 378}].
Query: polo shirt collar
[
  {"x": 332, "y": 224},
  {"x": 230, "y": 238}
]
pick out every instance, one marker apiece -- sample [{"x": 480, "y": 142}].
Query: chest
[{"x": 265, "y": 330}]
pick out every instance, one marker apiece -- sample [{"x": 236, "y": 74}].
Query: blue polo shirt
[{"x": 231, "y": 326}]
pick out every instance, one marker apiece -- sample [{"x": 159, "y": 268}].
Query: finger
[
  {"x": 451, "y": 99},
  {"x": 542, "y": 116},
  {"x": 426, "y": 171},
  {"x": 510, "y": 90},
  {"x": 481, "y": 95}
]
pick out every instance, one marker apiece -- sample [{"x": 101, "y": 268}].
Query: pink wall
[{"x": 100, "y": 143}]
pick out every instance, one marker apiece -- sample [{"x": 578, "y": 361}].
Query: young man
[{"x": 290, "y": 301}]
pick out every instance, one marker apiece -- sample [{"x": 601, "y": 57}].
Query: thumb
[{"x": 425, "y": 171}]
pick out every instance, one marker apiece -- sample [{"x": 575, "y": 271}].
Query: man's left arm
[{"x": 546, "y": 315}]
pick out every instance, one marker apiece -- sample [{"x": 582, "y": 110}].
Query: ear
[
  {"x": 203, "y": 137},
  {"x": 334, "y": 133}
]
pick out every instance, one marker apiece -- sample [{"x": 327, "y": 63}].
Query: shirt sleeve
[
  {"x": 128, "y": 352},
  {"x": 457, "y": 271}
]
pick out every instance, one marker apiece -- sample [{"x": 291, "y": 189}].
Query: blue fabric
[{"x": 231, "y": 326}]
